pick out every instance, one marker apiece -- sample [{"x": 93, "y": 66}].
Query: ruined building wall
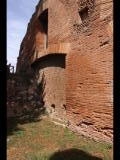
[
  {"x": 89, "y": 74},
  {"x": 82, "y": 31}
]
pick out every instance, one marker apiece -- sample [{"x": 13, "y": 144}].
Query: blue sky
[{"x": 19, "y": 13}]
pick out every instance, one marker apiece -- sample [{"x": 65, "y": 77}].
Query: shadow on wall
[{"x": 73, "y": 154}]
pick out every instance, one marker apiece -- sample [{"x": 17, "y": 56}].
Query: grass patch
[{"x": 43, "y": 140}]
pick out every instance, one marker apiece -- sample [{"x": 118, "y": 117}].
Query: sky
[{"x": 19, "y": 13}]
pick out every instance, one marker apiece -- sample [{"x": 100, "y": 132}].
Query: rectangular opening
[{"x": 44, "y": 22}]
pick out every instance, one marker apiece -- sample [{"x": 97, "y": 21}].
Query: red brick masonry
[{"x": 71, "y": 43}]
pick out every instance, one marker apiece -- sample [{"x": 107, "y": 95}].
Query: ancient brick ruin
[{"x": 69, "y": 46}]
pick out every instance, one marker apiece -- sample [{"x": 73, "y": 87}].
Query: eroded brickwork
[{"x": 81, "y": 91}]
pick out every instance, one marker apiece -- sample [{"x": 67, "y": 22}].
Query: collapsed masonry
[{"x": 70, "y": 44}]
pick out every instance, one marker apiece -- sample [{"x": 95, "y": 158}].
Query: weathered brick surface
[{"x": 85, "y": 83}]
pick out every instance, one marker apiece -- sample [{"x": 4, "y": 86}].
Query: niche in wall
[
  {"x": 83, "y": 14},
  {"x": 43, "y": 19}
]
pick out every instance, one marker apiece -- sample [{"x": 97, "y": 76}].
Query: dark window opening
[
  {"x": 53, "y": 106},
  {"x": 43, "y": 18},
  {"x": 84, "y": 13}
]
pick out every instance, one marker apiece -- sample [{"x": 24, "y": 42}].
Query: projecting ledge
[{"x": 46, "y": 56}]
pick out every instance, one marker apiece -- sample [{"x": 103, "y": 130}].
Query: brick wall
[{"x": 81, "y": 29}]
